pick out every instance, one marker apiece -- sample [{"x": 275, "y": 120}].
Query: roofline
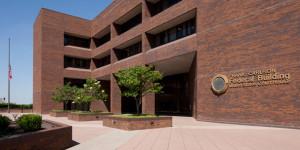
[{"x": 54, "y": 11}]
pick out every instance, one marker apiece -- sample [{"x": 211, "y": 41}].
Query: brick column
[
  {"x": 113, "y": 30},
  {"x": 92, "y": 65},
  {"x": 115, "y": 96},
  {"x": 146, "y": 12},
  {"x": 145, "y": 44},
  {"x": 148, "y": 104}
]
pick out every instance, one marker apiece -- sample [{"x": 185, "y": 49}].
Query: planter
[
  {"x": 137, "y": 123},
  {"x": 59, "y": 113},
  {"x": 87, "y": 116},
  {"x": 53, "y": 136}
]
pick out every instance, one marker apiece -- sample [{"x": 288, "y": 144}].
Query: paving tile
[
  {"x": 162, "y": 142},
  {"x": 187, "y": 134}
]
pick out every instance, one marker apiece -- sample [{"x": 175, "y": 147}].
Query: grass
[
  {"x": 89, "y": 112},
  {"x": 135, "y": 116}
]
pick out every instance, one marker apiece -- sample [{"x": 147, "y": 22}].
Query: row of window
[
  {"x": 134, "y": 21},
  {"x": 128, "y": 51},
  {"x": 154, "y": 7},
  {"x": 85, "y": 63},
  {"x": 70, "y": 40},
  {"x": 76, "y": 62},
  {"x": 161, "y": 5},
  {"x": 177, "y": 32}
]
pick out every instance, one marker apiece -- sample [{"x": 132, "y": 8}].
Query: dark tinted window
[
  {"x": 134, "y": 21},
  {"x": 76, "y": 41},
  {"x": 129, "y": 51},
  {"x": 102, "y": 61},
  {"x": 182, "y": 30},
  {"x": 76, "y": 62},
  {"x": 160, "y": 6},
  {"x": 102, "y": 40}
]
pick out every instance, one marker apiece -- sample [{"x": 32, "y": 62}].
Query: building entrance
[{"x": 175, "y": 98}]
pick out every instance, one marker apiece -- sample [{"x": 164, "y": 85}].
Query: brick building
[{"x": 253, "y": 43}]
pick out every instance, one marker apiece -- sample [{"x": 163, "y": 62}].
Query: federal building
[{"x": 232, "y": 61}]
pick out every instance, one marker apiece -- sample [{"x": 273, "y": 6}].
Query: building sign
[{"x": 254, "y": 78}]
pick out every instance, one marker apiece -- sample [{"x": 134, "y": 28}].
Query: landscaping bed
[
  {"x": 87, "y": 116},
  {"x": 60, "y": 113},
  {"x": 137, "y": 122},
  {"x": 44, "y": 138}
]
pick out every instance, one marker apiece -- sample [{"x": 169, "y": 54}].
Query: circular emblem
[{"x": 219, "y": 84}]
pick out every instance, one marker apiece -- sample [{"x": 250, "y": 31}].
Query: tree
[
  {"x": 139, "y": 81},
  {"x": 91, "y": 91},
  {"x": 64, "y": 94}
]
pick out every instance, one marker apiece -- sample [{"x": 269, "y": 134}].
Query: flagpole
[{"x": 9, "y": 69}]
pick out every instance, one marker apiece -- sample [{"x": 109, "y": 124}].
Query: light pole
[{"x": 9, "y": 78}]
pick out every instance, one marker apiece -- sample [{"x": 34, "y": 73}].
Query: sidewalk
[{"x": 187, "y": 134}]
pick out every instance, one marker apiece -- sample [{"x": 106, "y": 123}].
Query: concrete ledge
[
  {"x": 87, "y": 117},
  {"x": 137, "y": 123},
  {"x": 59, "y": 114},
  {"x": 55, "y": 136}
]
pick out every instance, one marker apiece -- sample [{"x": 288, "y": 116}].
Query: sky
[{"x": 16, "y": 22}]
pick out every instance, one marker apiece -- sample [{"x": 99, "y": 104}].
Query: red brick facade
[{"x": 232, "y": 36}]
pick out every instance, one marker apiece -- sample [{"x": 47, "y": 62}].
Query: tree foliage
[
  {"x": 92, "y": 90},
  {"x": 65, "y": 93},
  {"x": 138, "y": 81}
]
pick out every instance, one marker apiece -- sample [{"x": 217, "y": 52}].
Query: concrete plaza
[{"x": 186, "y": 134}]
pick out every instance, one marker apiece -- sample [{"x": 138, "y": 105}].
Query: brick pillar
[
  {"x": 115, "y": 96},
  {"x": 146, "y": 43},
  {"x": 113, "y": 30},
  {"x": 146, "y": 12},
  {"x": 93, "y": 65},
  {"x": 148, "y": 104}
]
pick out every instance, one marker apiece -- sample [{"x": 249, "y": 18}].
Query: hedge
[
  {"x": 30, "y": 122},
  {"x": 13, "y": 105}
]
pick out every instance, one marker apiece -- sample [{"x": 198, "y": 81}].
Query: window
[
  {"x": 134, "y": 21},
  {"x": 102, "y": 61},
  {"x": 102, "y": 40},
  {"x": 179, "y": 31},
  {"x": 128, "y": 51},
  {"x": 76, "y": 62},
  {"x": 76, "y": 41},
  {"x": 161, "y": 5},
  {"x": 74, "y": 82}
]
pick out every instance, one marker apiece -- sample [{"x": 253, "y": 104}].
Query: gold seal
[{"x": 219, "y": 84}]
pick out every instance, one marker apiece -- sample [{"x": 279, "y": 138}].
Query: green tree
[
  {"x": 91, "y": 91},
  {"x": 138, "y": 81},
  {"x": 64, "y": 94}
]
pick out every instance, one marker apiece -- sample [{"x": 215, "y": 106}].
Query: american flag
[{"x": 9, "y": 73}]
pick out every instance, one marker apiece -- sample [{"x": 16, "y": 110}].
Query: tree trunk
[{"x": 137, "y": 103}]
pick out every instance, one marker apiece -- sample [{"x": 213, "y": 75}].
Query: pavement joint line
[
  {"x": 225, "y": 127},
  {"x": 107, "y": 141}
]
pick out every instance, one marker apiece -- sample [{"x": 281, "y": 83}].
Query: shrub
[
  {"x": 4, "y": 122},
  {"x": 30, "y": 122}
]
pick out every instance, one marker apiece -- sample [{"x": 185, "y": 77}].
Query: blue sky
[{"x": 17, "y": 18}]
